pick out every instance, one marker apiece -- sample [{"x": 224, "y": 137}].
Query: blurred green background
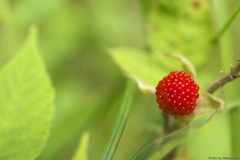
[{"x": 73, "y": 37}]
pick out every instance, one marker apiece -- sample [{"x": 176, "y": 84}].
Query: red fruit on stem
[{"x": 177, "y": 94}]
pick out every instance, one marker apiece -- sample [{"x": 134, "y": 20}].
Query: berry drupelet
[{"x": 177, "y": 94}]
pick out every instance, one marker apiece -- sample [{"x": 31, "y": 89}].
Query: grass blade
[
  {"x": 227, "y": 25},
  {"x": 121, "y": 121}
]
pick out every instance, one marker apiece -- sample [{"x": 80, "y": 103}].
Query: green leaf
[
  {"x": 26, "y": 104},
  {"x": 215, "y": 103},
  {"x": 81, "y": 153},
  {"x": 148, "y": 69},
  {"x": 141, "y": 66},
  {"x": 184, "y": 27},
  {"x": 209, "y": 102},
  {"x": 187, "y": 65}
]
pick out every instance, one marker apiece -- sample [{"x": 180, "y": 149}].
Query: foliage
[
  {"x": 79, "y": 55},
  {"x": 26, "y": 104}
]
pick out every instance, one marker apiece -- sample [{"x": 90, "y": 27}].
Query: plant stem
[
  {"x": 166, "y": 126},
  {"x": 121, "y": 121},
  {"x": 225, "y": 79}
]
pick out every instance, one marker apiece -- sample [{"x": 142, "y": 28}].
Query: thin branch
[{"x": 234, "y": 73}]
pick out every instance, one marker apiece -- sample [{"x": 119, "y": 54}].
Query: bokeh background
[{"x": 73, "y": 39}]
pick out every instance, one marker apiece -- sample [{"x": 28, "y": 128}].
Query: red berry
[{"x": 177, "y": 94}]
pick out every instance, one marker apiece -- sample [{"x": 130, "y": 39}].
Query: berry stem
[
  {"x": 165, "y": 123},
  {"x": 167, "y": 130},
  {"x": 225, "y": 79}
]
